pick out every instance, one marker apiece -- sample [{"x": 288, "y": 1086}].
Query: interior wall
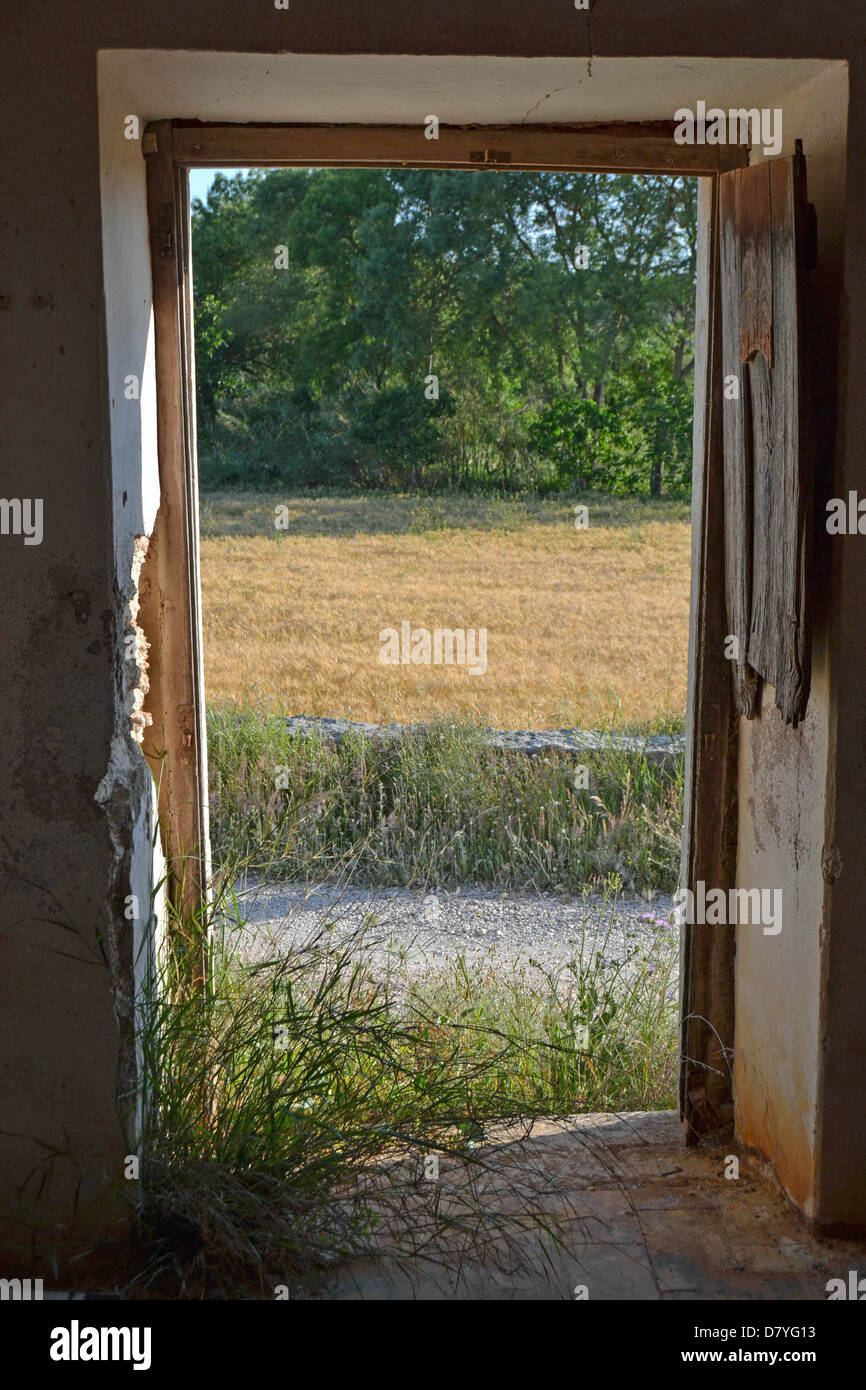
[
  {"x": 781, "y": 1030},
  {"x": 135, "y": 495},
  {"x": 75, "y": 827},
  {"x": 782, "y": 772}
]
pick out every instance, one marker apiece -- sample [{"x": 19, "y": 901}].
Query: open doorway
[
  {"x": 585, "y": 1020},
  {"x": 444, "y": 442}
]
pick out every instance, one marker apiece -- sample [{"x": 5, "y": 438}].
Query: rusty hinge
[{"x": 490, "y": 156}]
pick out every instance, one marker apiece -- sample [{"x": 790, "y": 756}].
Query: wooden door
[{"x": 766, "y": 237}]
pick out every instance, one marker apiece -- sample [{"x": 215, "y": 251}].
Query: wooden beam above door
[{"x": 627, "y": 148}]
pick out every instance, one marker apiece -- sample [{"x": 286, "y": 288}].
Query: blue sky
[{"x": 200, "y": 180}]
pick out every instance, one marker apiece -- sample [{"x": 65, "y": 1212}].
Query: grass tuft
[{"x": 292, "y": 1104}]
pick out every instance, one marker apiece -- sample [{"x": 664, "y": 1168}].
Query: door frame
[{"x": 170, "y": 614}]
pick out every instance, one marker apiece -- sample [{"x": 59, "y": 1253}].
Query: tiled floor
[{"x": 637, "y": 1216}]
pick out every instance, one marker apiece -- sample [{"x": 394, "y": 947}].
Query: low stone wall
[{"x": 655, "y": 746}]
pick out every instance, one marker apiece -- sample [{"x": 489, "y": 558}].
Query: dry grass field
[{"x": 583, "y": 626}]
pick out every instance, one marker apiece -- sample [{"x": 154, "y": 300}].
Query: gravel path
[{"x": 425, "y": 929}]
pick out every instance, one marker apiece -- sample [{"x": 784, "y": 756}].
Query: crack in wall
[{"x": 541, "y": 102}]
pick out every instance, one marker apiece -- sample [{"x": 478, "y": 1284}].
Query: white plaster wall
[
  {"x": 372, "y": 89},
  {"x": 135, "y": 498},
  {"x": 778, "y": 1038}
]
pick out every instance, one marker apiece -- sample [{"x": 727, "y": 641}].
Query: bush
[{"x": 589, "y": 446}]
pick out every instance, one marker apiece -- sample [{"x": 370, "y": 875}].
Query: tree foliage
[{"x": 554, "y": 312}]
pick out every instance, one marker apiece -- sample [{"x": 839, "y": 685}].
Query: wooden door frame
[
  {"x": 171, "y": 602},
  {"x": 170, "y": 586},
  {"x": 709, "y": 846}
]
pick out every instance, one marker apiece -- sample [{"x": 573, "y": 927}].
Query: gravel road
[{"x": 424, "y": 929}]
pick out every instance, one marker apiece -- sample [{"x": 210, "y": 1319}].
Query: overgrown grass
[
  {"x": 439, "y": 807},
  {"x": 291, "y": 1103}
]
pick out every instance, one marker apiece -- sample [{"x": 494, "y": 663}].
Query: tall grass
[
  {"x": 292, "y": 1103},
  {"x": 439, "y": 807}
]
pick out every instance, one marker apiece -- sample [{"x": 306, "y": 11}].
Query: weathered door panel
[{"x": 764, "y": 228}]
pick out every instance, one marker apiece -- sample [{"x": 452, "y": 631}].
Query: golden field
[{"x": 583, "y": 626}]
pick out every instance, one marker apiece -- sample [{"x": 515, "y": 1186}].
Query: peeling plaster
[
  {"x": 139, "y": 717},
  {"x": 127, "y": 796}
]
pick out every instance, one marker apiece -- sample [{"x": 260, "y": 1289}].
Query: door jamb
[
  {"x": 712, "y": 729},
  {"x": 170, "y": 588}
]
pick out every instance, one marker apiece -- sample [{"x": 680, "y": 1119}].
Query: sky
[{"x": 200, "y": 180}]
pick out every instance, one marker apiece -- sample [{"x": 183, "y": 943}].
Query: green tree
[{"x": 551, "y": 370}]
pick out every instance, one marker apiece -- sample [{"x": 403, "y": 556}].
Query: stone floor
[{"x": 636, "y": 1215}]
